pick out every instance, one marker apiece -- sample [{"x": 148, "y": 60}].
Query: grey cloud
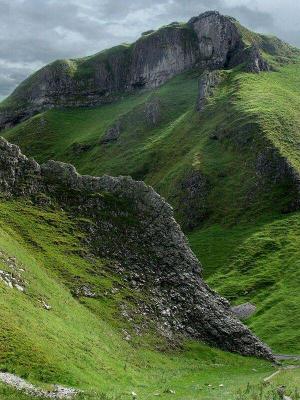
[{"x": 35, "y": 32}]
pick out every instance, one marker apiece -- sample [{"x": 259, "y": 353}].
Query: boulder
[{"x": 244, "y": 311}]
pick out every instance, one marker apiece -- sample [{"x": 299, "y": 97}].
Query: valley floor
[{"x": 254, "y": 381}]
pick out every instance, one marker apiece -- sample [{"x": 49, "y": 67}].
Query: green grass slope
[
  {"x": 79, "y": 342},
  {"x": 258, "y": 263},
  {"x": 248, "y": 113},
  {"x": 245, "y": 239}
]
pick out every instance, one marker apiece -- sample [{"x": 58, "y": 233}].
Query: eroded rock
[
  {"x": 218, "y": 38},
  {"x": 244, "y": 311},
  {"x": 127, "y": 222},
  {"x": 152, "y": 111},
  {"x": 209, "y": 41},
  {"x": 12, "y": 276},
  {"x": 58, "y": 392},
  {"x": 112, "y": 134},
  {"x": 207, "y": 85}
]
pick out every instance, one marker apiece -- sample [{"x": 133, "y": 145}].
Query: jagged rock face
[
  {"x": 152, "y": 111},
  {"x": 134, "y": 227},
  {"x": 210, "y": 41},
  {"x": 218, "y": 38},
  {"x": 18, "y": 174},
  {"x": 255, "y": 62},
  {"x": 252, "y": 59},
  {"x": 161, "y": 56}
]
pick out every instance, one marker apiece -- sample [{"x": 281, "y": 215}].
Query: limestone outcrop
[
  {"x": 207, "y": 42},
  {"x": 127, "y": 222},
  {"x": 207, "y": 84}
]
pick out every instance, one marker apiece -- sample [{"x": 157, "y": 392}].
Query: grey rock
[
  {"x": 112, "y": 134},
  {"x": 209, "y": 41},
  {"x": 13, "y": 275},
  {"x": 207, "y": 84},
  {"x": 244, "y": 311},
  {"x": 58, "y": 392},
  {"x": 194, "y": 206},
  {"x": 255, "y": 62},
  {"x": 152, "y": 111},
  {"x": 218, "y": 38},
  {"x": 252, "y": 58},
  {"x": 127, "y": 222},
  {"x": 85, "y": 291}
]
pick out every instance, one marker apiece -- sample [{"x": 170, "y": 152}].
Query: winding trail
[{"x": 281, "y": 357}]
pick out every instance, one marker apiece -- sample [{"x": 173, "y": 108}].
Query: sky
[{"x": 36, "y": 32}]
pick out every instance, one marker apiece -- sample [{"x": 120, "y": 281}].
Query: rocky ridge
[
  {"x": 207, "y": 42},
  {"x": 129, "y": 223}
]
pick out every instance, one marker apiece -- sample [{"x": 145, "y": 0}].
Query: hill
[
  {"x": 230, "y": 169},
  {"x": 211, "y": 121},
  {"x": 95, "y": 282}
]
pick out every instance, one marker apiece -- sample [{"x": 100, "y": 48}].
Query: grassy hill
[
  {"x": 83, "y": 344},
  {"x": 231, "y": 173},
  {"x": 240, "y": 147}
]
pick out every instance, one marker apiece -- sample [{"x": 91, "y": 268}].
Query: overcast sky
[{"x": 36, "y": 32}]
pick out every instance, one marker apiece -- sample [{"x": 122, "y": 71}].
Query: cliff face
[
  {"x": 129, "y": 223},
  {"x": 210, "y": 41},
  {"x": 218, "y": 39}
]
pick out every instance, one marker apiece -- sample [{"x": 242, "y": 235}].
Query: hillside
[
  {"x": 233, "y": 167},
  {"x": 209, "y": 41},
  {"x": 207, "y": 113},
  {"x": 92, "y": 263}
]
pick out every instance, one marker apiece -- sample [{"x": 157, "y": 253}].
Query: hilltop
[{"x": 209, "y": 41}]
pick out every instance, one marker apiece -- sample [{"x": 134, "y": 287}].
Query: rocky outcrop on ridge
[
  {"x": 129, "y": 223},
  {"x": 207, "y": 84},
  {"x": 209, "y": 41}
]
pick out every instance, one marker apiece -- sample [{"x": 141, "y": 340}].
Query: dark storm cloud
[{"x": 35, "y": 32}]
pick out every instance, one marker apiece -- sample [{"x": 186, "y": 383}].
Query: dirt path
[
  {"x": 288, "y": 367},
  {"x": 58, "y": 392},
  {"x": 281, "y": 357}
]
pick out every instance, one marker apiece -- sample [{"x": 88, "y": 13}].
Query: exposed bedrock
[
  {"x": 129, "y": 223},
  {"x": 209, "y": 41}
]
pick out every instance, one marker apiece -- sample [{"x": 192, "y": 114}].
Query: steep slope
[
  {"x": 220, "y": 146},
  {"x": 209, "y": 41},
  {"x": 127, "y": 223},
  {"x": 95, "y": 278},
  {"x": 83, "y": 340},
  {"x": 257, "y": 263},
  {"x": 232, "y": 160},
  {"x": 225, "y": 163}
]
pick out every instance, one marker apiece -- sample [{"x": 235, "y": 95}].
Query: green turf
[
  {"x": 247, "y": 241},
  {"x": 250, "y": 113},
  {"x": 258, "y": 263},
  {"x": 76, "y": 344}
]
